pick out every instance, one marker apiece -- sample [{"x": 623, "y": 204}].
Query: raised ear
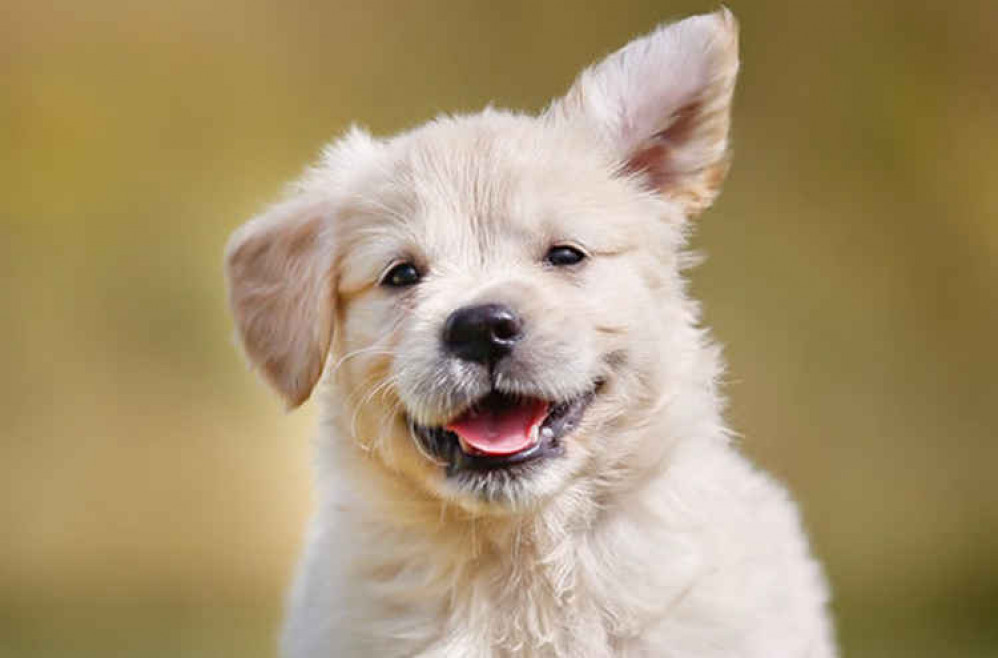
[
  {"x": 662, "y": 103},
  {"x": 279, "y": 268}
]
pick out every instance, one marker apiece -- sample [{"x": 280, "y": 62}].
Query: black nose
[{"x": 483, "y": 334}]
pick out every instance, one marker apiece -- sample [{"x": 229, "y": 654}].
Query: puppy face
[{"x": 499, "y": 294}]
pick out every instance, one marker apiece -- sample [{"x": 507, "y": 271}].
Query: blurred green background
[{"x": 153, "y": 493}]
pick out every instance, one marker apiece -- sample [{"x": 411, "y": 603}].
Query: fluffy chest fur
[{"x": 706, "y": 560}]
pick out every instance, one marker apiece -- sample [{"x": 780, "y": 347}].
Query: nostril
[{"x": 506, "y": 327}]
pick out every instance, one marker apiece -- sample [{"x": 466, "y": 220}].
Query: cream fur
[{"x": 651, "y": 535}]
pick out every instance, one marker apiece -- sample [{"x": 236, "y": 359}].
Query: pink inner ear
[
  {"x": 654, "y": 157},
  {"x": 650, "y": 162}
]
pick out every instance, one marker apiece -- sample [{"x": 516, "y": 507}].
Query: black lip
[{"x": 562, "y": 418}]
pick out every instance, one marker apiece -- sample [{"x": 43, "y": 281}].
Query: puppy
[{"x": 521, "y": 449}]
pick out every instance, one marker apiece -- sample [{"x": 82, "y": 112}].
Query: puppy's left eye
[
  {"x": 563, "y": 254},
  {"x": 402, "y": 275}
]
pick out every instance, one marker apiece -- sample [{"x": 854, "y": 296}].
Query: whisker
[
  {"x": 422, "y": 449},
  {"x": 368, "y": 395},
  {"x": 370, "y": 349},
  {"x": 389, "y": 415},
  {"x": 375, "y": 348}
]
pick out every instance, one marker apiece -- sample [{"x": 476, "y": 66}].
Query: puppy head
[{"x": 500, "y": 295}]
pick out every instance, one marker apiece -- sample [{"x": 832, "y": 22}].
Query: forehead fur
[
  {"x": 481, "y": 157},
  {"x": 487, "y": 175}
]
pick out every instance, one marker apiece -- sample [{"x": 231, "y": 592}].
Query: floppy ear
[
  {"x": 662, "y": 103},
  {"x": 279, "y": 268}
]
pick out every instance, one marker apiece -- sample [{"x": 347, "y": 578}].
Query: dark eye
[
  {"x": 562, "y": 255},
  {"x": 402, "y": 275}
]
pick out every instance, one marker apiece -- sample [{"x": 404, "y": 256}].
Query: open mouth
[{"x": 501, "y": 431}]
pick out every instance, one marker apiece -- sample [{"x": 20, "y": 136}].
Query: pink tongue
[{"x": 503, "y": 432}]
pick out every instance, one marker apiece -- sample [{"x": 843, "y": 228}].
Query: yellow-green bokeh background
[{"x": 153, "y": 493}]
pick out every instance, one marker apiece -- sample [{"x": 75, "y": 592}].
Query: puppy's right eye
[
  {"x": 401, "y": 275},
  {"x": 564, "y": 254}
]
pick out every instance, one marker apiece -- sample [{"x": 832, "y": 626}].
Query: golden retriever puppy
[{"x": 521, "y": 449}]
